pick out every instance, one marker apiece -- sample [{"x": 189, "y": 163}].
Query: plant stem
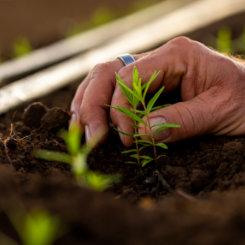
[
  {"x": 153, "y": 141},
  {"x": 137, "y": 147}
]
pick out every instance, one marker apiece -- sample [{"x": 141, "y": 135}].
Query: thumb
[{"x": 195, "y": 117}]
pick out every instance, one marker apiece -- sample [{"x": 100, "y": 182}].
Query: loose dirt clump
[{"x": 33, "y": 113}]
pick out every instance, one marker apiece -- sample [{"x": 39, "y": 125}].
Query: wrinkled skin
[{"x": 212, "y": 89}]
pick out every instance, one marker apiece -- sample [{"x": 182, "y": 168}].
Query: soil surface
[{"x": 204, "y": 204}]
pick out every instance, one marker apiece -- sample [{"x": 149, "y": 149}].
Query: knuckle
[
  {"x": 123, "y": 73},
  {"x": 180, "y": 44},
  {"x": 99, "y": 69},
  {"x": 180, "y": 41}
]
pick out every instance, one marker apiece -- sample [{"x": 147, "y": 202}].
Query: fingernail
[
  {"x": 87, "y": 133},
  {"x": 120, "y": 135},
  {"x": 161, "y": 135},
  {"x": 73, "y": 120}
]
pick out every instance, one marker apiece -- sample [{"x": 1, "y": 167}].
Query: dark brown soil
[{"x": 205, "y": 204}]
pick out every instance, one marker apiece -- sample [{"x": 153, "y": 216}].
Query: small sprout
[
  {"x": 223, "y": 41},
  {"x": 36, "y": 227},
  {"x": 21, "y": 47},
  {"x": 135, "y": 97},
  {"x": 77, "y": 159}
]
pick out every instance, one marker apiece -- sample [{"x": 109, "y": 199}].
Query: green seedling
[
  {"x": 77, "y": 159},
  {"x": 21, "y": 47},
  {"x": 137, "y": 96},
  {"x": 36, "y": 227},
  {"x": 223, "y": 41}
]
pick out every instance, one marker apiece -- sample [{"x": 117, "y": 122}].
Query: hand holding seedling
[{"x": 212, "y": 88}]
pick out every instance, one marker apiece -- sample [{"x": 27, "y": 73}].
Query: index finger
[{"x": 93, "y": 112}]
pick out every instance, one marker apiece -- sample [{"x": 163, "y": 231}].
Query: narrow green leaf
[
  {"x": 129, "y": 151},
  {"x": 159, "y": 107},
  {"x": 134, "y": 156},
  {"x": 162, "y": 145},
  {"x": 166, "y": 125},
  {"x": 146, "y": 157},
  {"x": 128, "y": 95},
  {"x": 120, "y": 82},
  {"x": 161, "y": 156},
  {"x": 143, "y": 147},
  {"x": 139, "y": 86},
  {"x": 159, "y": 130},
  {"x": 163, "y": 128},
  {"x": 139, "y": 111},
  {"x": 153, "y": 100},
  {"x": 139, "y": 135},
  {"x": 99, "y": 182},
  {"x": 72, "y": 139},
  {"x": 123, "y": 132},
  {"x": 129, "y": 113},
  {"x": 135, "y": 75},
  {"x": 144, "y": 141},
  {"x": 144, "y": 162},
  {"x": 131, "y": 162},
  {"x": 135, "y": 102},
  {"x": 53, "y": 156},
  {"x": 153, "y": 77},
  {"x": 136, "y": 90},
  {"x": 132, "y": 115}
]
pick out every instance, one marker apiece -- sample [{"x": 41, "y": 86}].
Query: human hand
[{"x": 212, "y": 89}]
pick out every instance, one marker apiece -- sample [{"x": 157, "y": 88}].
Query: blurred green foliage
[
  {"x": 34, "y": 227},
  {"x": 21, "y": 47},
  {"x": 103, "y": 15},
  {"x": 37, "y": 227},
  {"x": 223, "y": 40},
  {"x": 225, "y": 43}
]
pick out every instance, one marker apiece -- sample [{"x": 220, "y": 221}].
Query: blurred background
[{"x": 30, "y": 24}]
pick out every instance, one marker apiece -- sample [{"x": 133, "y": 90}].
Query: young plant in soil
[
  {"x": 36, "y": 227},
  {"x": 77, "y": 160},
  {"x": 136, "y": 97}
]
